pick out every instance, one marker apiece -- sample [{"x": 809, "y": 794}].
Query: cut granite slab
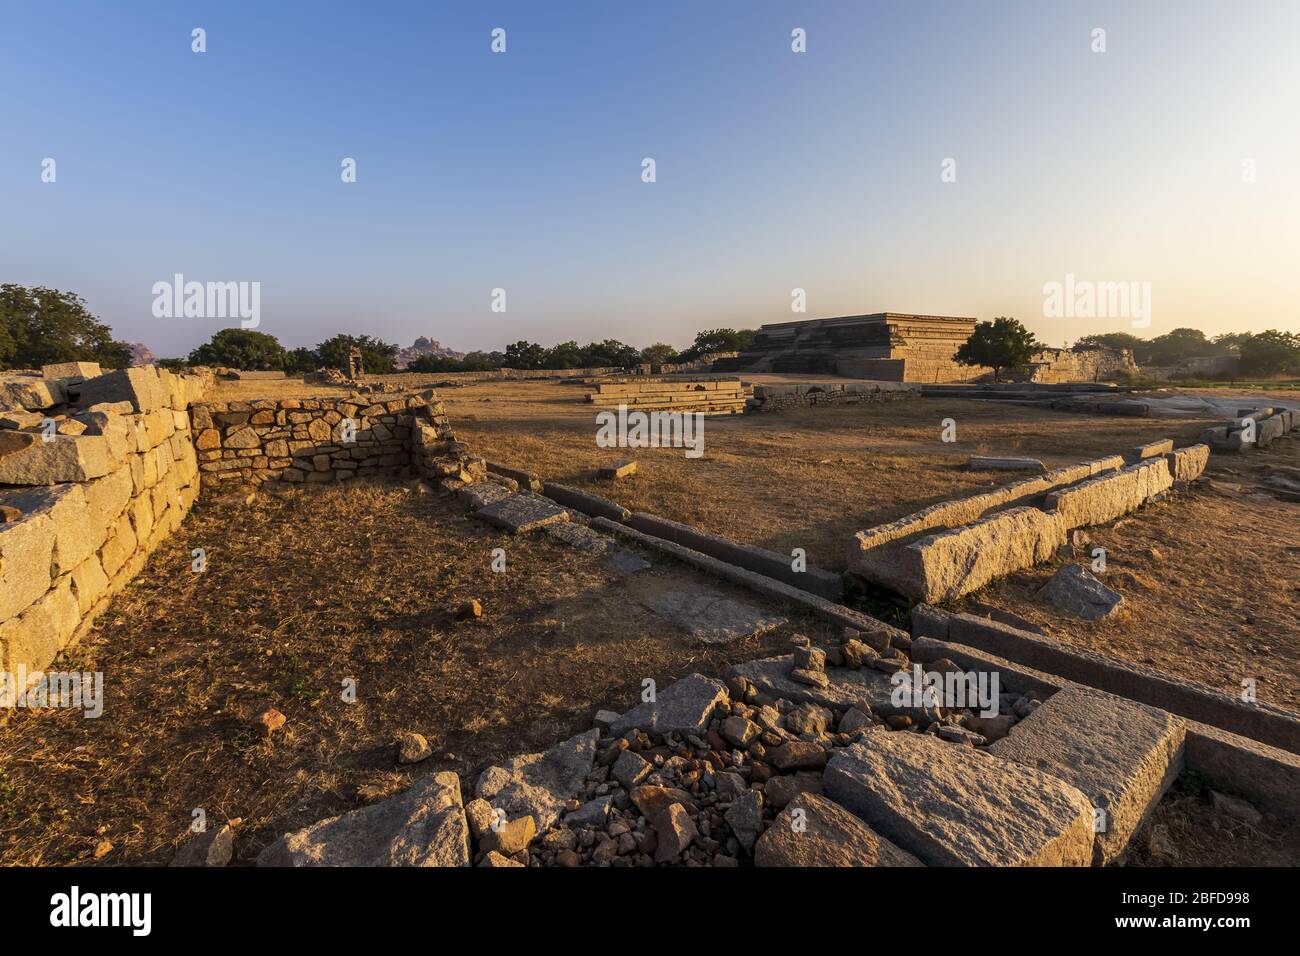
[
  {"x": 521, "y": 513},
  {"x": 424, "y": 826},
  {"x": 710, "y": 616},
  {"x": 958, "y": 806},
  {"x": 1122, "y": 755}
]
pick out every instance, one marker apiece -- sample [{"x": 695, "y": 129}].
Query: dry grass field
[
  {"x": 308, "y": 588},
  {"x": 305, "y": 589}
]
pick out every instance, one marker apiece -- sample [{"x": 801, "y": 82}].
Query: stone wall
[
  {"x": 81, "y": 512},
  {"x": 772, "y": 398},
  {"x": 242, "y": 445}
]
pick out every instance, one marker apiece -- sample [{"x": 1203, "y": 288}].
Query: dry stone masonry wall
[
  {"x": 96, "y": 470},
  {"x": 246, "y": 444}
]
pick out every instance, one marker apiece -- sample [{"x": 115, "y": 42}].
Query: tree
[
  {"x": 1178, "y": 346},
  {"x": 718, "y": 340},
  {"x": 376, "y": 355},
  {"x": 40, "y": 326},
  {"x": 564, "y": 355},
  {"x": 523, "y": 354},
  {"x": 1271, "y": 353},
  {"x": 242, "y": 349},
  {"x": 301, "y": 360},
  {"x": 658, "y": 354},
  {"x": 610, "y": 352},
  {"x": 1000, "y": 344},
  {"x": 1115, "y": 340}
]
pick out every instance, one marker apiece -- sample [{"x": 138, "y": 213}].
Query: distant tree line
[
  {"x": 1261, "y": 353},
  {"x": 260, "y": 351}
]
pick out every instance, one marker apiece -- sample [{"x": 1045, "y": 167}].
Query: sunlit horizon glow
[{"x": 775, "y": 170}]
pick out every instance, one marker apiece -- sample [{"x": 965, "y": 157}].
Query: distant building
[
  {"x": 900, "y": 347},
  {"x": 888, "y": 346}
]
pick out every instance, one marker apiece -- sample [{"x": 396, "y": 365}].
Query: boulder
[
  {"x": 424, "y": 826},
  {"x": 813, "y": 831},
  {"x": 540, "y": 784},
  {"x": 681, "y": 708},
  {"x": 1077, "y": 591}
]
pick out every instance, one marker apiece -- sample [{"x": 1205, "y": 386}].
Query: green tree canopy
[
  {"x": 524, "y": 354},
  {"x": 40, "y": 326},
  {"x": 658, "y": 354},
  {"x": 1001, "y": 344},
  {"x": 718, "y": 340},
  {"x": 376, "y": 355},
  {"x": 1271, "y": 353},
  {"x": 242, "y": 349},
  {"x": 1178, "y": 346}
]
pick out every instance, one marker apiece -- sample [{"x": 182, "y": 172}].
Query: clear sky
[{"x": 775, "y": 170}]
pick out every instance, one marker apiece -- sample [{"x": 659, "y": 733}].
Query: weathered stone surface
[
  {"x": 624, "y": 469},
  {"x": 798, "y": 755},
  {"x": 945, "y": 566},
  {"x": 141, "y": 386},
  {"x": 483, "y": 493},
  {"x": 1077, "y": 591},
  {"x": 957, "y": 806},
  {"x": 593, "y": 813},
  {"x": 745, "y": 817},
  {"x": 778, "y": 791},
  {"x": 66, "y": 458},
  {"x": 424, "y": 826},
  {"x": 593, "y": 542},
  {"x": 76, "y": 536},
  {"x": 213, "y": 847},
  {"x": 1187, "y": 464},
  {"x": 1153, "y": 449},
  {"x": 586, "y": 502},
  {"x": 813, "y": 831},
  {"x": 681, "y": 707},
  {"x": 510, "y": 837},
  {"x": 984, "y": 463},
  {"x": 521, "y": 513},
  {"x": 540, "y": 784},
  {"x": 675, "y": 830},
  {"x": 412, "y": 748},
  {"x": 34, "y": 638},
  {"x": 1121, "y": 755},
  {"x": 29, "y": 392},
  {"x": 26, "y": 554},
  {"x": 629, "y": 769},
  {"x": 710, "y": 616},
  {"x": 1100, "y": 500},
  {"x": 70, "y": 371}
]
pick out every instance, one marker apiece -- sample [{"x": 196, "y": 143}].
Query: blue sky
[{"x": 775, "y": 170}]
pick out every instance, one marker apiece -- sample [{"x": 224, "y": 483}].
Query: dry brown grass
[
  {"x": 805, "y": 478},
  {"x": 303, "y": 590}
]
